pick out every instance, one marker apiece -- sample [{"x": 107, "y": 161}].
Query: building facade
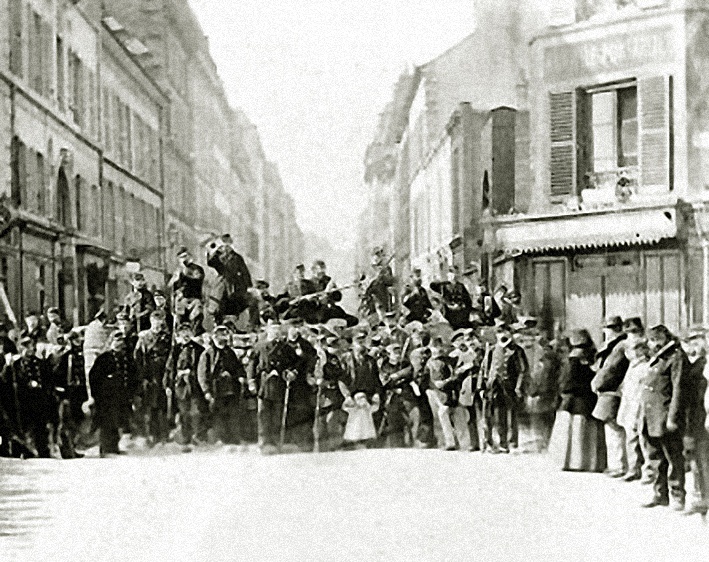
[{"x": 616, "y": 221}]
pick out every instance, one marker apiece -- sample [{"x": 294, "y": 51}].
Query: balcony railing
[{"x": 611, "y": 187}]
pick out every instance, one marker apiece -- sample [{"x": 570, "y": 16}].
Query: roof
[{"x": 624, "y": 228}]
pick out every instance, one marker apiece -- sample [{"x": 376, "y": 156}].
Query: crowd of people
[{"x": 427, "y": 367}]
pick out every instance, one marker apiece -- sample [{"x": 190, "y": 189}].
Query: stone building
[
  {"x": 616, "y": 220},
  {"x": 82, "y": 179}
]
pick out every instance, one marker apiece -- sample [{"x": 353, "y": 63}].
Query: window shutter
[
  {"x": 16, "y": 28},
  {"x": 563, "y": 146},
  {"x": 655, "y": 127}
]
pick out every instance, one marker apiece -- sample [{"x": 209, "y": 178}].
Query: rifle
[
  {"x": 385, "y": 413},
  {"x": 316, "y": 426},
  {"x": 284, "y": 417},
  {"x": 319, "y": 294}
]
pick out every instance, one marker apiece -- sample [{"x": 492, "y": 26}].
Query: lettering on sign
[{"x": 627, "y": 50}]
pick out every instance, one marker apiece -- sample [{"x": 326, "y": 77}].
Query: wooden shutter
[
  {"x": 655, "y": 131},
  {"x": 563, "y": 146},
  {"x": 16, "y": 63}
]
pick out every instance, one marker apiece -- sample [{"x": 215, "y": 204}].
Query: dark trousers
[
  {"x": 226, "y": 419},
  {"x": 269, "y": 421},
  {"x": 496, "y": 410},
  {"x": 193, "y": 419},
  {"x": 108, "y": 420},
  {"x": 667, "y": 462}
]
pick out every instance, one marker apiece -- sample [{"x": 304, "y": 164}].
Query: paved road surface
[{"x": 365, "y": 505}]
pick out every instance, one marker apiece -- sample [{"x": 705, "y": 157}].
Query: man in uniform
[
  {"x": 267, "y": 302},
  {"x": 502, "y": 377},
  {"x": 663, "y": 416},
  {"x": 32, "y": 376},
  {"x": 182, "y": 383},
  {"x": 187, "y": 291},
  {"x": 221, "y": 376},
  {"x": 113, "y": 379},
  {"x": 377, "y": 295},
  {"x": 611, "y": 365},
  {"x": 161, "y": 305},
  {"x": 139, "y": 303},
  {"x": 70, "y": 386},
  {"x": 151, "y": 355},
  {"x": 329, "y": 373},
  {"x": 401, "y": 408},
  {"x": 456, "y": 299}
]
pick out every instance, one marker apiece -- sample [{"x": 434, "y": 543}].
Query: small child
[{"x": 360, "y": 424}]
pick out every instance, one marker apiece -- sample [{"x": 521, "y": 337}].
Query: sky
[{"x": 313, "y": 75}]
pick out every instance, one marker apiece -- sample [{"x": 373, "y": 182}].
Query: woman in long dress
[{"x": 577, "y": 441}]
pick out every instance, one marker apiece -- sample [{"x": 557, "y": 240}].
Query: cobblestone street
[{"x": 229, "y": 504}]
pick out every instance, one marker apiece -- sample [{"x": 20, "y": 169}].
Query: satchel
[{"x": 606, "y": 407}]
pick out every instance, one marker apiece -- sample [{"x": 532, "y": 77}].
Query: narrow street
[{"x": 230, "y": 504}]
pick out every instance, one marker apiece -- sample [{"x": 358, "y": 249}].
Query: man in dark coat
[
  {"x": 610, "y": 366},
  {"x": 181, "y": 381},
  {"x": 70, "y": 387},
  {"x": 502, "y": 377},
  {"x": 230, "y": 295},
  {"x": 151, "y": 353},
  {"x": 113, "y": 379},
  {"x": 301, "y": 404},
  {"x": 377, "y": 296},
  {"x": 663, "y": 416},
  {"x": 329, "y": 375},
  {"x": 139, "y": 303},
  {"x": 293, "y": 302},
  {"x": 187, "y": 291},
  {"x": 415, "y": 300},
  {"x": 37, "y": 405},
  {"x": 221, "y": 376},
  {"x": 456, "y": 299}
]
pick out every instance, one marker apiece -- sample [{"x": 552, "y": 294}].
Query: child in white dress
[{"x": 360, "y": 424}]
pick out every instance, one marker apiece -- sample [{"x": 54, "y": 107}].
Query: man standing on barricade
[
  {"x": 70, "y": 386},
  {"x": 221, "y": 375},
  {"x": 457, "y": 301},
  {"x": 113, "y": 379},
  {"x": 415, "y": 299},
  {"x": 182, "y": 385},
  {"x": 151, "y": 355},
  {"x": 187, "y": 291},
  {"x": 139, "y": 303},
  {"x": 294, "y": 302}
]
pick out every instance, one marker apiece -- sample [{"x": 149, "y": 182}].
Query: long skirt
[{"x": 578, "y": 443}]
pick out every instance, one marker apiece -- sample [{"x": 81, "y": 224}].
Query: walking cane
[
  {"x": 385, "y": 413},
  {"x": 316, "y": 424},
  {"x": 282, "y": 440}
]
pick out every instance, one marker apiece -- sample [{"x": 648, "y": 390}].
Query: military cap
[
  {"x": 158, "y": 313},
  {"x": 122, "y": 316},
  {"x": 262, "y": 284},
  {"x": 182, "y": 251},
  {"x": 393, "y": 348},
  {"x": 138, "y": 275},
  {"x": 633, "y": 326},
  {"x": 615, "y": 322},
  {"x": 117, "y": 335},
  {"x": 159, "y": 293},
  {"x": 53, "y": 310},
  {"x": 221, "y": 328},
  {"x": 184, "y": 326},
  {"x": 299, "y": 267},
  {"x": 414, "y": 326},
  {"x": 503, "y": 328}
]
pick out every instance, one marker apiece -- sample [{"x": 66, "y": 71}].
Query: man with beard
[
  {"x": 181, "y": 382},
  {"x": 415, "y": 300},
  {"x": 221, "y": 376},
  {"x": 151, "y": 355},
  {"x": 663, "y": 416},
  {"x": 70, "y": 386},
  {"x": 502, "y": 376},
  {"x": 113, "y": 380},
  {"x": 187, "y": 290},
  {"x": 456, "y": 299},
  {"x": 139, "y": 303}
]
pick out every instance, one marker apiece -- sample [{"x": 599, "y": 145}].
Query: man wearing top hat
[
  {"x": 113, "y": 379},
  {"x": 610, "y": 366},
  {"x": 187, "y": 290}
]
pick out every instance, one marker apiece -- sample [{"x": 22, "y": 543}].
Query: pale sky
[{"x": 313, "y": 75}]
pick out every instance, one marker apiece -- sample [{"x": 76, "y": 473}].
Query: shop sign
[{"x": 607, "y": 54}]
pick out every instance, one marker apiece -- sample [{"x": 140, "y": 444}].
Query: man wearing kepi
[
  {"x": 187, "y": 285},
  {"x": 662, "y": 417},
  {"x": 113, "y": 379},
  {"x": 221, "y": 375},
  {"x": 611, "y": 365}
]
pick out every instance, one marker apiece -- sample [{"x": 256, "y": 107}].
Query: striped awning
[{"x": 624, "y": 228}]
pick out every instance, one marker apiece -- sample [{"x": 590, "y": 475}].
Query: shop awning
[{"x": 624, "y": 228}]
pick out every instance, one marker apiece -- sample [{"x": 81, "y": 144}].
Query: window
[
  {"x": 79, "y": 202},
  {"x": 109, "y": 215},
  {"x": 614, "y": 129},
  {"x": 41, "y": 187},
  {"x": 35, "y": 51},
  {"x": 63, "y": 199},
  {"x": 18, "y": 170},
  {"x": 16, "y": 28},
  {"x": 61, "y": 77}
]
